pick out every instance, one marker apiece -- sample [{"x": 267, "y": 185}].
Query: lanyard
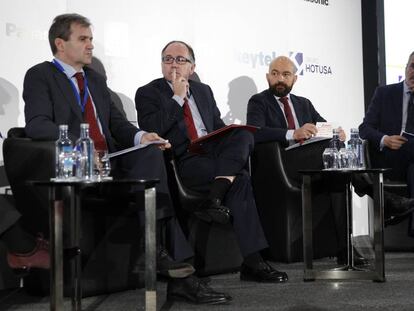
[{"x": 75, "y": 91}]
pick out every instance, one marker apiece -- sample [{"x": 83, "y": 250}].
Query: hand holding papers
[
  {"x": 324, "y": 132},
  {"x": 136, "y": 147}
]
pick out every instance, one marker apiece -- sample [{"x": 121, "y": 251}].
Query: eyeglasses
[{"x": 180, "y": 60}]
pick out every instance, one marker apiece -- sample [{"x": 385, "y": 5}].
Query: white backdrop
[
  {"x": 398, "y": 37},
  {"x": 234, "y": 41}
]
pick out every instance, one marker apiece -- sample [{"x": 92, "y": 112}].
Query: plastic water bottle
[
  {"x": 64, "y": 154},
  {"x": 335, "y": 141},
  {"x": 355, "y": 143},
  {"x": 84, "y": 154}
]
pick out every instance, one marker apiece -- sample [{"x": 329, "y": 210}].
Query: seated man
[
  {"x": 182, "y": 110},
  {"x": 64, "y": 91},
  {"x": 288, "y": 118},
  {"x": 390, "y": 112}
]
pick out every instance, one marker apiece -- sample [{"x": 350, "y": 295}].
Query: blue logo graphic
[{"x": 297, "y": 59}]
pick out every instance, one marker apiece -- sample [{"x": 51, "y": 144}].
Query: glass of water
[
  {"x": 330, "y": 158},
  {"x": 102, "y": 167}
]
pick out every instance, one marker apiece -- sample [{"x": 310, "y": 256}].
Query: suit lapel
[
  {"x": 274, "y": 105},
  {"x": 202, "y": 109},
  {"x": 298, "y": 109},
  {"x": 398, "y": 100},
  {"x": 67, "y": 92}
]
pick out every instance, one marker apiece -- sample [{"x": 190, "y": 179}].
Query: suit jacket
[
  {"x": 158, "y": 112},
  {"x": 384, "y": 115},
  {"x": 50, "y": 101},
  {"x": 264, "y": 111}
]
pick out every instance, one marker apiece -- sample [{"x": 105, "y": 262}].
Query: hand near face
[
  {"x": 305, "y": 132},
  {"x": 149, "y": 137},
  {"x": 342, "y": 134},
  {"x": 180, "y": 85},
  {"x": 394, "y": 142}
]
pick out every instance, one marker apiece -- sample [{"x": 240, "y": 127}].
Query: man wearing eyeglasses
[{"x": 164, "y": 105}]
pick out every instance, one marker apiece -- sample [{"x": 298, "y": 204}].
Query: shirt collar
[
  {"x": 68, "y": 70},
  {"x": 171, "y": 86},
  {"x": 278, "y": 98}
]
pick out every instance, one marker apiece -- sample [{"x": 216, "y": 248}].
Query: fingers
[
  {"x": 394, "y": 142},
  {"x": 174, "y": 75}
]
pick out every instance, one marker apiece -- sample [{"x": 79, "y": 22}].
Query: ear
[
  {"x": 59, "y": 43},
  {"x": 294, "y": 79},
  {"x": 192, "y": 69}
]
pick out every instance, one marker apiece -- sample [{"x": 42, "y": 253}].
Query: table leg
[
  {"x": 56, "y": 249},
  {"x": 307, "y": 225},
  {"x": 150, "y": 250},
  {"x": 349, "y": 225},
  {"x": 378, "y": 188},
  {"x": 75, "y": 253}
]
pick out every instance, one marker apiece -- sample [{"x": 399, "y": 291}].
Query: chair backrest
[{"x": 371, "y": 156}]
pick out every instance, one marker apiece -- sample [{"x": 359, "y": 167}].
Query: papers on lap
[
  {"x": 407, "y": 134},
  {"x": 136, "y": 147},
  {"x": 196, "y": 146},
  {"x": 324, "y": 132}
]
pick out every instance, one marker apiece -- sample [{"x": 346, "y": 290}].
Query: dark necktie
[
  {"x": 189, "y": 122},
  {"x": 409, "y": 126},
  {"x": 89, "y": 116},
  {"x": 288, "y": 113}
]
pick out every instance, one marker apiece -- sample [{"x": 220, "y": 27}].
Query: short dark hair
[
  {"x": 61, "y": 27},
  {"x": 409, "y": 57},
  {"x": 189, "y": 48}
]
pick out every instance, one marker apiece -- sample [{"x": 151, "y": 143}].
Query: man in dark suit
[
  {"x": 390, "y": 112},
  {"x": 183, "y": 110},
  {"x": 53, "y": 95},
  {"x": 287, "y": 118}
]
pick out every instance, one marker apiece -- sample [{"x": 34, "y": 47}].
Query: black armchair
[
  {"x": 277, "y": 188},
  {"x": 108, "y": 234},
  {"x": 397, "y": 237},
  {"x": 215, "y": 246}
]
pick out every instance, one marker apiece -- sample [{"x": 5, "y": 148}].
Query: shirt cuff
[
  {"x": 289, "y": 135},
  {"x": 382, "y": 143},
  {"x": 179, "y": 100},
  {"x": 138, "y": 137}
]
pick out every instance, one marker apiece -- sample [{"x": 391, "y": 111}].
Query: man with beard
[
  {"x": 390, "y": 113},
  {"x": 288, "y": 118},
  {"x": 282, "y": 116}
]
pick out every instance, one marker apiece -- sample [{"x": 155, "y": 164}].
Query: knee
[{"x": 244, "y": 137}]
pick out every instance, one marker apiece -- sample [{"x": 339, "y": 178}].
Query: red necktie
[
  {"x": 189, "y": 122},
  {"x": 89, "y": 116},
  {"x": 288, "y": 113}
]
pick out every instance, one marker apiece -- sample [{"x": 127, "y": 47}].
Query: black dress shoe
[
  {"x": 193, "y": 290},
  {"x": 397, "y": 208},
  {"x": 359, "y": 260},
  {"x": 264, "y": 273},
  {"x": 211, "y": 210},
  {"x": 166, "y": 266}
]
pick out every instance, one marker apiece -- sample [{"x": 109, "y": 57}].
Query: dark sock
[
  {"x": 253, "y": 260},
  {"x": 17, "y": 240},
  {"x": 219, "y": 188}
]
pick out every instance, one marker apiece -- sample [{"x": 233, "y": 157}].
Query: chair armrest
[{"x": 268, "y": 163}]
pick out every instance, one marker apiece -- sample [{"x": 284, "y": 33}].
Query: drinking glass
[
  {"x": 330, "y": 158},
  {"x": 102, "y": 164}
]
